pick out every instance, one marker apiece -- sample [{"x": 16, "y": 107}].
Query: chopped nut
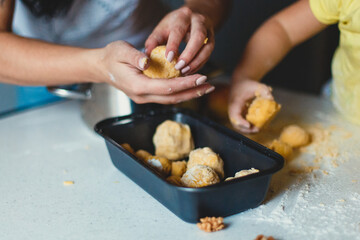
[
  {"x": 262, "y": 237},
  {"x": 211, "y": 224},
  {"x": 66, "y": 183}
]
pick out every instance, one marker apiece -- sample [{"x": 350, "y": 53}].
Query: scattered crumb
[
  {"x": 341, "y": 200},
  {"x": 66, "y": 183},
  {"x": 334, "y": 163},
  {"x": 211, "y": 224},
  {"x": 321, "y": 205},
  {"x": 325, "y": 172},
  {"x": 354, "y": 181},
  {"x": 116, "y": 181},
  {"x": 262, "y": 237}
]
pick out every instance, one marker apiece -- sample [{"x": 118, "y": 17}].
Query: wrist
[{"x": 93, "y": 67}]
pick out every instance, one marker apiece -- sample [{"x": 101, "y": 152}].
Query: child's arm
[{"x": 266, "y": 48}]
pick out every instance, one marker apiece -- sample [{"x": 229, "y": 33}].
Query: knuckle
[
  {"x": 186, "y": 11},
  {"x": 201, "y": 18}
]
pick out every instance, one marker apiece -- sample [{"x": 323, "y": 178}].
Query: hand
[
  {"x": 241, "y": 93},
  {"x": 121, "y": 65},
  {"x": 194, "y": 29}
]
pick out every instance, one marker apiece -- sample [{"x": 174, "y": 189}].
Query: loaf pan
[{"x": 190, "y": 204}]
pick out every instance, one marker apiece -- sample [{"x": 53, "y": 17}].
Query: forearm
[
  {"x": 265, "y": 49},
  {"x": 31, "y": 62},
  {"x": 214, "y": 10},
  {"x": 274, "y": 39}
]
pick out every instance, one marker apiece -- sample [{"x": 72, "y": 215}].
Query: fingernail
[
  {"x": 209, "y": 90},
  {"x": 170, "y": 56},
  {"x": 185, "y": 69},
  {"x": 180, "y": 64},
  {"x": 200, "y": 80},
  {"x": 142, "y": 62}
]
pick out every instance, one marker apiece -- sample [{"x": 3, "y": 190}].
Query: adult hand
[
  {"x": 121, "y": 65},
  {"x": 241, "y": 93},
  {"x": 194, "y": 28}
]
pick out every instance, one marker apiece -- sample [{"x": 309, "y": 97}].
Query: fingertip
[{"x": 143, "y": 63}]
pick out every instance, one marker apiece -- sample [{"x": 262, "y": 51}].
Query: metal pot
[{"x": 101, "y": 100}]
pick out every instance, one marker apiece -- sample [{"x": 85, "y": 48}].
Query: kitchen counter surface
[{"x": 316, "y": 195}]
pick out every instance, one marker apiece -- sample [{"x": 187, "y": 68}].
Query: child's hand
[{"x": 242, "y": 92}]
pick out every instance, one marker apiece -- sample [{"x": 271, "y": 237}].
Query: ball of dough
[
  {"x": 142, "y": 154},
  {"x": 161, "y": 164},
  {"x": 281, "y": 148},
  {"x": 261, "y": 111},
  {"x": 159, "y": 67},
  {"x": 206, "y": 156},
  {"x": 294, "y": 136},
  {"x": 176, "y": 180},
  {"x": 199, "y": 176},
  {"x": 178, "y": 168},
  {"x": 243, "y": 173},
  {"x": 128, "y": 148},
  {"x": 173, "y": 140}
]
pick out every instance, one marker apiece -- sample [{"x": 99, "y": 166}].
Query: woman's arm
[
  {"x": 265, "y": 49},
  {"x": 26, "y": 61}
]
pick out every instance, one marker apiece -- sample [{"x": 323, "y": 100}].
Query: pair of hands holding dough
[{"x": 123, "y": 65}]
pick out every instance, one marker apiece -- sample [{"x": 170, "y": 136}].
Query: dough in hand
[
  {"x": 173, "y": 140},
  {"x": 199, "y": 176},
  {"x": 206, "y": 156},
  {"x": 294, "y": 136},
  {"x": 178, "y": 168},
  {"x": 261, "y": 111},
  {"x": 281, "y": 148},
  {"x": 159, "y": 67}
]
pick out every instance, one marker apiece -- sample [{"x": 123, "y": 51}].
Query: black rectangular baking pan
[{"x": 190, "y": 204}]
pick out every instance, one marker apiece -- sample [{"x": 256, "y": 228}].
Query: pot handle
[{"x": 78, "y": 91}]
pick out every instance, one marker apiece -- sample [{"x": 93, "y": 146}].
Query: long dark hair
[{"x": 48, "y": 8}]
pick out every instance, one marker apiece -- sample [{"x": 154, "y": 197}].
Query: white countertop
[{"x": 41, "y": 148}]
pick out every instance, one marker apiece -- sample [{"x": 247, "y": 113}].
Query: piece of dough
[
  {"x": 206, "y": 156},
  {"x": 142, "y": 154},
  {"x": 243, "y": 173},
  {"x": 261, "y": 111},
  {"x": 173, "y": 140},
  {"x": 161, "y": 164},
  {"x": 281, "y": 148},
  {"x": 178, "y": 168},
  {"x": 128, "y": 148},
  {"x": 294, "y": 136},
  {"x": 199, "y": 176},
  {"x": 159, "y": 67},
  {"x": 176, "y": 180}
]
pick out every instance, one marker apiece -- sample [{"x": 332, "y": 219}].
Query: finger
[
  {"x": 177, "y": 34},
  {"x": 265, "y": 91},
  {"x": 198, "y": 35},
  {"x": 199, "y": 61},
  {"x": 236, "y": 109},
  {"x": 156, "y": 38},
  {"x": 177, "y": 97},
  {"x": 128, "y": 54},
  {"x": 170, "y": 86}
]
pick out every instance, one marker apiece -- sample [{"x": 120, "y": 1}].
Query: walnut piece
[
  {"x": 211, "y": 224},
  {"x": 262, "y": 237}
]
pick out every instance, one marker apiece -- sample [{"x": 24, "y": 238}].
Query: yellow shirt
[{"x": 346, "y": 60}]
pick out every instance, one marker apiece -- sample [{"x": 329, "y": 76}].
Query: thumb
[{"x": 129, "y": 54}]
